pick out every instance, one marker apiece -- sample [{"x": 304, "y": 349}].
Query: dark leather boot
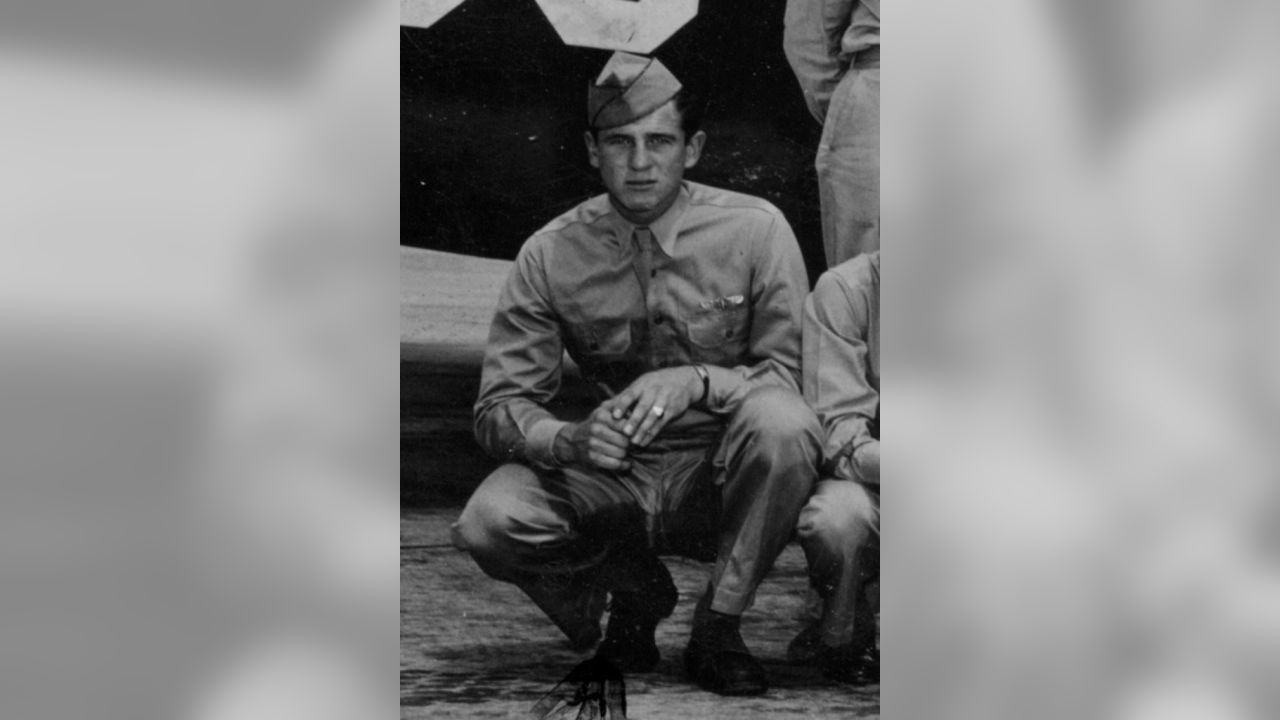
[
  {"x": 806, "y": 648},
  {"x": 854, "y": 664},
  {"x": 717, "y": 659},
  {"x": 574, "y": 603},
  {"x": 643, "y": 594},
  {"x": 629, "y": 642}
]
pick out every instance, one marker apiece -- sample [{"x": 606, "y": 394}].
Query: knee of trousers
[
  {"x": 779, "y": 423},
  {"x": 506, "y": 517},
  {"x": 838, "y": 519}
]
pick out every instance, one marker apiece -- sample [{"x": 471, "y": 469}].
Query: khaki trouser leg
[
  {"x": 848, "y": 165},
  {"x": 770, "y": 451},
  {"x": 524, "y": 528},
  {"x": 837, "y": 526}
]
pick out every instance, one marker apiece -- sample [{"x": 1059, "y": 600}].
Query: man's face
[{"x": 643, "y": 162}]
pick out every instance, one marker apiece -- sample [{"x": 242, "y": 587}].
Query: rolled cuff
[{"x": 541, "y": 440}]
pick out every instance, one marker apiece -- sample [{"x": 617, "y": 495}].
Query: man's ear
[
  {"x": 593, "y": 150},
  {"x": 693, "y": 149}
]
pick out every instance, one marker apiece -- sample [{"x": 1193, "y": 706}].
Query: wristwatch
[{"x": 706, "y": 383}]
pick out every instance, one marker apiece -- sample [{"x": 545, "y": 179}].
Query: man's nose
[{"x": 639, "y": 158}]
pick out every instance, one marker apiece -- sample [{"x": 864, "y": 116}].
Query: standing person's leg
[
  {"x": 838, "y": 526},
  {"x": 770, "y": 454},
  {"x": 848, "y": 165},
  {"x": 552, "y": 534}
]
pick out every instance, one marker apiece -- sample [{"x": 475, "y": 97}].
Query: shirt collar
[{"x": 664, "y": 229}]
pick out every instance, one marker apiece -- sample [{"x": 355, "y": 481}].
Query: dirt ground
[{"x": 472, "y": 647}]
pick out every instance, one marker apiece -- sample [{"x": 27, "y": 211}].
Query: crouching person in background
[{"x": 839, "y": 528}]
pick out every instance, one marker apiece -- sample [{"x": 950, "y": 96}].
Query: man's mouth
[{"x": 641, "y": 184}]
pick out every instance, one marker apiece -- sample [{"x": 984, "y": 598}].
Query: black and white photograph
[{"x": 640, "y": 359}]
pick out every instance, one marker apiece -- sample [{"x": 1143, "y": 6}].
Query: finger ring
[{"x": 656, "y": 410}]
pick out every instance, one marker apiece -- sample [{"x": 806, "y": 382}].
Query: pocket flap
[{"x": 715, "y": 328}]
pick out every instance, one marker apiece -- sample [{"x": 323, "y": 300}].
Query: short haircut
[{"x": 692, "y": 108}]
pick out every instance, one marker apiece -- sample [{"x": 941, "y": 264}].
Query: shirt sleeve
[
  {"x": 522, "y": 369},
  {"x": 836, "y": 322},
  {"x": 778, "y": 288},
  {"x": 812, "y": 35}
]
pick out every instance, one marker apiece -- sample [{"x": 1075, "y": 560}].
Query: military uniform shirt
[
  {"x": 723, "y": 283},
  {"x": 842, "y": 366}
]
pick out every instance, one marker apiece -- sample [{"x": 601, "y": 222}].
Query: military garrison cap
[{"x": 629, "y": 87}]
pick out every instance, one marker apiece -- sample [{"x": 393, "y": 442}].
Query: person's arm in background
[
  {"x": 836, "y": 371},
  {"x": 811, "y": 40}
]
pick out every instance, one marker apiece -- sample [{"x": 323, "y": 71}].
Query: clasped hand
[{"x": 634, "y": 416}]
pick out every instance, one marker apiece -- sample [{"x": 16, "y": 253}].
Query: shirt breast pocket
[{"x": 720, "y": 335}]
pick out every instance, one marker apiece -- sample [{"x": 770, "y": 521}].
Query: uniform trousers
[
  {"x": 733, "y": 494},
  {"x": 848, "y": 165},
  {"x": 839, "y": 531}
]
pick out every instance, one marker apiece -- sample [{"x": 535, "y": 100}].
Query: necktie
[{"x": 644, "y": 258}]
